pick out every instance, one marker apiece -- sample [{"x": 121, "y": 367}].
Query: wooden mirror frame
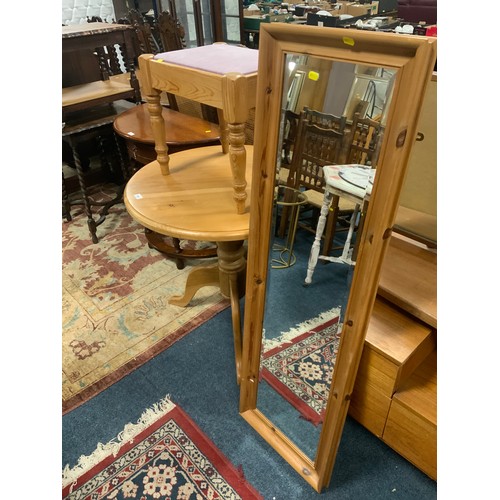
[{"x": 413, "y": 57}]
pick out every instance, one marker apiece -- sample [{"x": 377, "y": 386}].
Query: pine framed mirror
[{"x": 324, "y": 69}]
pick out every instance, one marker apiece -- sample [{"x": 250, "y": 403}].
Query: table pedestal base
[
  {"x": 196, "y": 202},
  {"x": 229, "y": 275}
]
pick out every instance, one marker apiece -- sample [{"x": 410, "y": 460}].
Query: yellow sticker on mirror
[
  {"x": 313, "y": 75},
  {"x": 348, "y": 40}
]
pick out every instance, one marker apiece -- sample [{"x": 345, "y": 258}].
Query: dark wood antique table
[
  {"x": 113, "y": 84},
  {"x": 181, "y": 132},
  {"x": 97, "y": 93},
  {"x": 81, "y": 126}
]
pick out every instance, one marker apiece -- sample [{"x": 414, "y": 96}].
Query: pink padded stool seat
[{"x": 219, "y": 58}]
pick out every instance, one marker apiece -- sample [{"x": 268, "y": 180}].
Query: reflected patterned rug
[
  {"x": 299, "y": 364},
  {"x": 164, "y": 455},
  {"x": 115, "y": 311}
]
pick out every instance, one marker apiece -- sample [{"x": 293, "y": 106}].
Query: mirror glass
[{"x": 303, "y": 324}]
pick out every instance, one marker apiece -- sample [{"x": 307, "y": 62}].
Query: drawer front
[{"x": 413, "y": 437}]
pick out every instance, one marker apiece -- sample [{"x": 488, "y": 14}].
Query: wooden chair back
[
  {"x": 291, "y": 124},
  {"x": 324, "y": 120},
  {"x": 107, "y": 55},
  {"x": 170, "y": 32},
  {"x": 363, "y": 140},
  {"x": 166, "y": 34},
  {"x": 315, "y": 148},
  {"x": 145, "y": 37}
]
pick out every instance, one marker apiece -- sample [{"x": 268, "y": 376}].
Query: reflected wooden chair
[
  {"x": 315, "y": 148},
  {"x": 363, "y": 140},
  {"x": 362, "y": 146},
  {"x": 291, "y": 124},
  {"x": 324, "y": 120},
  {"x": 201, "y": 194},
  {"x": 338, "y": 123}
]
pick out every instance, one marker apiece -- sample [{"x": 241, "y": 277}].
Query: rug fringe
[
  {"x": 287, "y": 337},
  {"x": 129, "y": 432}
]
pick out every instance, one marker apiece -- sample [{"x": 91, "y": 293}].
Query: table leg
[
  {"x": 197, "y": 278},
  {"x": 122, "y": 158},
  {"x": 66, "y": 205},
  {"x": 331, "y": 223},
  {"x": 347, "y": 245},
  {"x": 359, "y": 232},
  {"x": 232, "y": 276},
  {"x": 83, "y": 188},
  {"x": 229, "y": 274},
  {"x": 313, "y": 257}
]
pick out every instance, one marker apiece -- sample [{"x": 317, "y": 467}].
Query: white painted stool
[{"x": 353, "y": 182}]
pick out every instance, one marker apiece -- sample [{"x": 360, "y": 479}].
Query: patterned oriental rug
[
  {"x": 299, "y": 364},
  {"x": 164, "y": 455},
  {"x": 115, "y": 310}
]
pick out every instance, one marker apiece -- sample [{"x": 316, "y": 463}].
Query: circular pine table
[
  {"x": 195, "y": 202},
  {"x": 181, "y": 132}
]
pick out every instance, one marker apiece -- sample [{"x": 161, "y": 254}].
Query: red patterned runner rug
[
  {"x": 115, "y": 311},
  {"x": 165, "y": 455},
  {"x": 299, "y": 364}
]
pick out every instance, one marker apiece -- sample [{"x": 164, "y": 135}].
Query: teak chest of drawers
[{"x": 395, "y": 395}]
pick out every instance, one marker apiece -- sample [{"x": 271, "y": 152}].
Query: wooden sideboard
[{"x": 395, "y": 394}]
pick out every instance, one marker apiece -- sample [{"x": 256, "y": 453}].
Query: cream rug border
[{"x": 128, "y": 434}]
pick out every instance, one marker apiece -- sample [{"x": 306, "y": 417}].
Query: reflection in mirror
[{"x": 333, "y": 113}]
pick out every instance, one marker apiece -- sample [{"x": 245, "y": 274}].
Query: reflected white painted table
[{"x": 353, "y": 182}]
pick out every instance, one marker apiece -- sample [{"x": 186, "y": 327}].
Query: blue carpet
[{"x": 198, "y": 373}]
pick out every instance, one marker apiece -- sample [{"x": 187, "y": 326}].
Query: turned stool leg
[
  {"x": 224, "y": 132},
  {"x": 236, "y": 115}
]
